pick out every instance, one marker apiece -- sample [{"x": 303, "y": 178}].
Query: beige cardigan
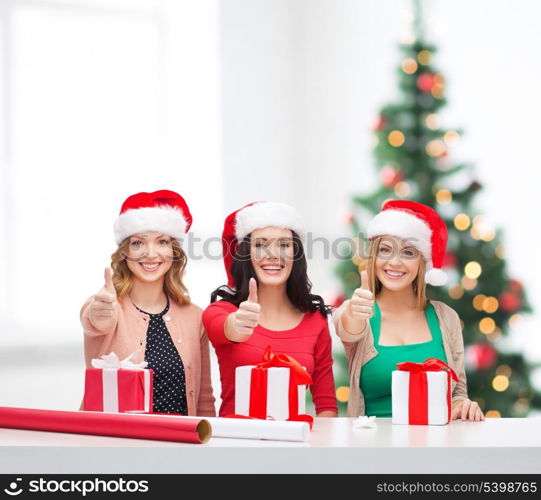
[
  {"x": 126, "y": 332},
  {"x": 360, "y": 349}
]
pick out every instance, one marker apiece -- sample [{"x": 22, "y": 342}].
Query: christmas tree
[{"x": 414, "y": 160}]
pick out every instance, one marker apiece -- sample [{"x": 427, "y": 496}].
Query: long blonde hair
[
  {"x": 173, "y": 285},
  {"x": 419, "y": 284}
]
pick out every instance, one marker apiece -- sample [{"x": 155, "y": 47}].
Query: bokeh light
[
  {"x": 402, "y": 189},
  {"x": 491, "y": 304},
  {"x": 500, "y": 383},
  {"x": 478, "y": 301},
  {"x": 409, "y": 66},
  {"x": 473, "y": 269},
  {"x": 424, "y": 57},
  {"x": 456, "y": 292},
  {"x": 487, "y": 325},
  {"x": 432, "y": 121},
  {"x": 342, "y": 394},
  {"x": 462, "y": 222},
  {"x": 468, "y": 283},
  {"x": 435, "y": 148},
  {"x": 444, "y": 196},
  {"x": 396, "y": 138},
  {"x": 451, "y": 138}
]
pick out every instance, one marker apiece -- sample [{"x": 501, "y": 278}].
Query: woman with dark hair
[{"x": 267, "y": 302}]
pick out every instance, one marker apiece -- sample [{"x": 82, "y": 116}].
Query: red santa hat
[
  {"x": 421, "y": 226},
  {"x": 163, "y": 211},
  {"x": 257, "y": 215}
]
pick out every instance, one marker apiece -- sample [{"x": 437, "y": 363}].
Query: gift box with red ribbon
[
  {"x": 274, "y": 389},
  {"x": 116, "y": 386},
  {"x": 421, "y": 393}
]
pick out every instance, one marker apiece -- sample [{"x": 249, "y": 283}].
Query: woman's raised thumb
[
  {"x": 364, "y": 281},
  {"x": 108, "y": 276},
  {"x": 252, "y": 287}
]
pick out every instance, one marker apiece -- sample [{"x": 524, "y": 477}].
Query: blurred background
[{"x": 233, "y": 101}]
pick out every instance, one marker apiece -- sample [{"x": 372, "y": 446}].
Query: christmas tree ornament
[
  {"x": 425, "y": 82},
  {"x": 515, "y": 286},
  {"x": 380, "y": 123},
  {"x": 480, "y": 356},
  {"x": 349, "y": 218},
  {"x": 337, "y": 300},
  {"x": 390, "y": 176},
  {"x": 510, "y": 302}
]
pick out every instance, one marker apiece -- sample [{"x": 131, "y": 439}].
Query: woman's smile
[
  {"x": 272, "y": 269},
  {"x": 394, "y": 275},
  {"x": 150, "y": 267}
]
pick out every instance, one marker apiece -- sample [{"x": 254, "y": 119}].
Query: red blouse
[{"x": 309, "y": 343}]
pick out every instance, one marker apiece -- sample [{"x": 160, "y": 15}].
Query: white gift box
[
  {"x": 277, "y": 392},
  {"x": 436, "y": 403}
]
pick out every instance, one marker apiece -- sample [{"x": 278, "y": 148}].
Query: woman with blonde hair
[
  {"x": 144, "y": 308},
  {"x": 389, "y": 319}
]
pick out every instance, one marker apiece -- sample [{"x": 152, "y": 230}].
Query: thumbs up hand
[
  {"x": 359, "y": 308},
  {"x": 361, "y": 304},
  {"x": 103, "y": 303},
  {"x": 240, "y": 324},
  {"x": 252, "y": 292}
]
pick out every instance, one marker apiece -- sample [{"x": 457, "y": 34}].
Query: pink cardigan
[{"x": 126, "y": 333}]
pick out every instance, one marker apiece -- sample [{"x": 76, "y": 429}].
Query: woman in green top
[{"x": 407, "y": 245}]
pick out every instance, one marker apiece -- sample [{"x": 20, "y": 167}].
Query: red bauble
[
  {"x": 515, "y": 286},
  {"x": 425, "y": 82},
  {"x": 510, "y": 301},
  {"x": 390, "y": 176},
  {"x": 348, "y": 217},
  {"x": 380, "y": 124},
  {"x": 481, "y": 356},
  {"x": 337, "y": 301}
]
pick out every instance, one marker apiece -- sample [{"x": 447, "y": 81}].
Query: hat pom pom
[{"x": 436, "y": 277}]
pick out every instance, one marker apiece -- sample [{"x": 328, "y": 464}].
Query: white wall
[{"x": 489, "y": 51}]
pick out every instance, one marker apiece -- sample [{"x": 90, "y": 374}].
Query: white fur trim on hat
[
  {"x": 166, "y": 220},
  {"x": 268, "y": 214},
  {"x": 403, "y": 225},
  {"x": 436, "y": 277}
]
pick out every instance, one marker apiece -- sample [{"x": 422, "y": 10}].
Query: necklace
[{"x": 142, "y": 310}]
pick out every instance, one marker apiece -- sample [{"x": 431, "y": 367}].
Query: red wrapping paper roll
[{"x": 185, "y": 430}]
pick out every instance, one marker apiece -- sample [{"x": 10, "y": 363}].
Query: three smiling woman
[{"x": 144, "y": 307}]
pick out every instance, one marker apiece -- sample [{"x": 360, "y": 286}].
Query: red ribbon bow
[
  {"x": 418, "y": 387},
  {"x": 258, "y": 386},
  {"x": 298, "y": 374}
]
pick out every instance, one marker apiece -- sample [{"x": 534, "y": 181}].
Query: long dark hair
[{"x": 298, "y": 285}]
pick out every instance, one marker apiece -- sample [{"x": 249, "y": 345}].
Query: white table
[{"x": 494, "y": 446}]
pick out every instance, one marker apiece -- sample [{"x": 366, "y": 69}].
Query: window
[{"x": 102, "y": 99}]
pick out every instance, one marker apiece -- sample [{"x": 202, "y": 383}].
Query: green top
[{"x": 375, "y": 381}]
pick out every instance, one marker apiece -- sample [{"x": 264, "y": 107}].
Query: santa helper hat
[
  {"x": 257, "y": 215},
  {"x": 162, "y": 211},
  {"x": 421, "y": 226}
]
